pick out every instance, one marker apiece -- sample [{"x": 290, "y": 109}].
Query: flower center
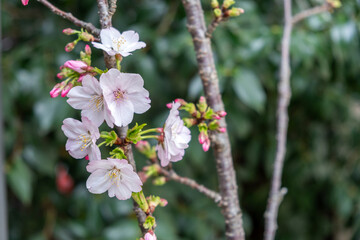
[
  {"x": 118, "y": 43},
  {"x": 174, "y": 131},
  {"x": 84, "y": 140},
  {"x": 118, "y": 94},
  {"x": 115, "y": 174},
  {"x": 97, "y": 103}
]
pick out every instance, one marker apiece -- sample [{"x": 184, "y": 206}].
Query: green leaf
[
  {"x": 248, "y": 88},
  {"x": 20, "y": 179}
]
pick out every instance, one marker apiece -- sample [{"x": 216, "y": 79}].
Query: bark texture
[{"x": 219, "y": 141}]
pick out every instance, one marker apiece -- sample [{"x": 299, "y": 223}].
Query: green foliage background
[{"x": 322, "y": 168}]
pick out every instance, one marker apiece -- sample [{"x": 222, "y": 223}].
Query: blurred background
[{"x": 322, "y": 168}]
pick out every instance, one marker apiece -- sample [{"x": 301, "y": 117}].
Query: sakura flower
[
  {"x": 89, "y": 98},
  {"x": 175, "y": 138},
  {"x": 150, "y": 236},
  {"x": 113, "y": 42},
  {"x": 125, "y": 95},
  {"x": 113, "y": 175},
  {"x": 25, "y": 2},
  {"x": 82, "y": 138}
]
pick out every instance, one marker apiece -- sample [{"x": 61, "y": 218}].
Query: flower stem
[
  {"x": 149, "y": 130},
  {"x": 150, "y": 136},
  {"x": 118, "y": 66},
  {"x": 100, "y": 144},
  {"x": 97, "y": 70}
]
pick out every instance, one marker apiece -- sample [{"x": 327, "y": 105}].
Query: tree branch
[
  {"x": 219, "y": 141},
  {"x": 213, "y": 25},
  {"x": 112, "y": 8},
  {"x": 284, "y": 94},
  {"x": 172, "y": 175},
  {"x": 110, "y": 62},
  {"x": 310, "y": 12},
  {"x": 88, "y": 26}
]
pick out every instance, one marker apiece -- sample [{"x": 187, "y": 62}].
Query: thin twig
[
  {"x": 284, "y": 91},
  {"x": 213, "y": 25},
  {"x": 88, "y": 26},
  {"x": 219, "y": 141},
  {"x": 310, "y": 12},
  {"x": 112, "y": 8},
  {"x": 172, "y": 175}
]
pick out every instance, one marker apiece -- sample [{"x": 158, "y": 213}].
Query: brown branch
[
  {"x": 172, "y": 175},
  {"x": 310, "y": 12},
  {"x": 110, "y": 62},
  {"x": 284, "y": 94},
  {"x": 220, "y": 141},
  {"x": 112, "y": 8},
  {"x": 88, "y": 26},
  {"x": 284, "y": 91},
  {"x": 213, "y": 25}
]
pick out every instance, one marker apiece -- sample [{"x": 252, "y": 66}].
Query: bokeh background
[{"x": 322, "y": 168}]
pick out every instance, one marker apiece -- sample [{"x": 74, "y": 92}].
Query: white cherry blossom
[
  {"x": 124, "y": 95},
  {"x": 113, "y": 175},
  {"x": 175, "y": 138},
  {"x": 113, "y": 42},
  {"x": 89, "y": 98},
  {"x": 82, "y": 138}
]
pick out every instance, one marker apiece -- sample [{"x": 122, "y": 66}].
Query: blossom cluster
[{"x": 114, "y": 97}]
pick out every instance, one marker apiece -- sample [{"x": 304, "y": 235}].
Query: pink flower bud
[
  {"x": 163, "y": 202},
  {"x": 69, "y": 47},
  {"x": 150, "y": 236},
  {"x": 25, "y": 2},
  {"x": 77, "y": 66},
  {"x": 202, "y": 99},
  {"x": 87, "y": 157},
  {"x": 87, "y": 50},
  {"x": 81, "y": 77},
  {"x": 69, "y": 31},
  {"x": 66, "y": 89},
  {"x": 64, "y": 181},
  {"x": 216, "y": 116},
  {"x": 169, "y": 105},
  {"x": 60, "y": 75},
  {"x": 222, "y": 129},
  {"x": 202, "y": 137},
  {"x": 181, "y": 101},
  {"x": 206, "y": 145},
  {"x": 55, "y": 91},
  {"x": 222, "y": 113},
  {"x": 142, "y": 145}
]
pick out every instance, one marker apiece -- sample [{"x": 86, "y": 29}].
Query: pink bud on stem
[
  {"x": 69, "y": 31},
  {"x": 56, "y": 90},
  {"x": 66, "y": 89},
  {"x": 206, "y": 145},
  {"x": 87, "y": 50},
  {"x": 25, "y": 2},
  {"x": 169, "y": 105},
  {"x": 70, "y": 46}
]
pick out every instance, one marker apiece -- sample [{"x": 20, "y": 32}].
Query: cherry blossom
[
  {"x": 89, "y": 98},
  {"x": 125, "y": 95},
  {"x": 82, "y": 138},
  {"x": 113, "y": 42},
  {"x": 113, "y": 175},
  {"x": 150, "y": 236},
  {"x": 175, "y": 138}
]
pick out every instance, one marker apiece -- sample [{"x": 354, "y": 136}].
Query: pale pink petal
[
  {"x": 98, "y": 182},
  {"x": 94, "y": 153},
  {"x": 99, "y": 164}
]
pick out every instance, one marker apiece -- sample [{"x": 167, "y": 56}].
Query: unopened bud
[
  {"x": 222, "y": 113},
  {"x": 222, "y": 129},
  {"x": 77, "y": 66},
  {"x": 214, "y": 125},
  {"x": 169, "y": 105},
  {"x": 142, "y": 146},
  {"x": 87, "y": 50},
  {"x": 60, "y": 75},
  {"x": 206, "y": 145},
  {"x": 69, "y": 31},
  {"x": 163, "y": 202},
  {"x": 228, "y": 3},
  {"x": 70, "y": 46},
  {"x": 202, "y": 137},
  {"x": 334, "y": 3},
  {"x": 217, "y": 12},
  {"x": 214, "y": 3},
  {"x": 181, "y": 101},
  {"x": 202, "y": 105},
  {"x": 234, "y": 12},
  {"x": 66, "y": 89},
  {"x": 56, "y": 90},
  {"x": 159, "y": 181},
  {"x": 87, "y": 37}
]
